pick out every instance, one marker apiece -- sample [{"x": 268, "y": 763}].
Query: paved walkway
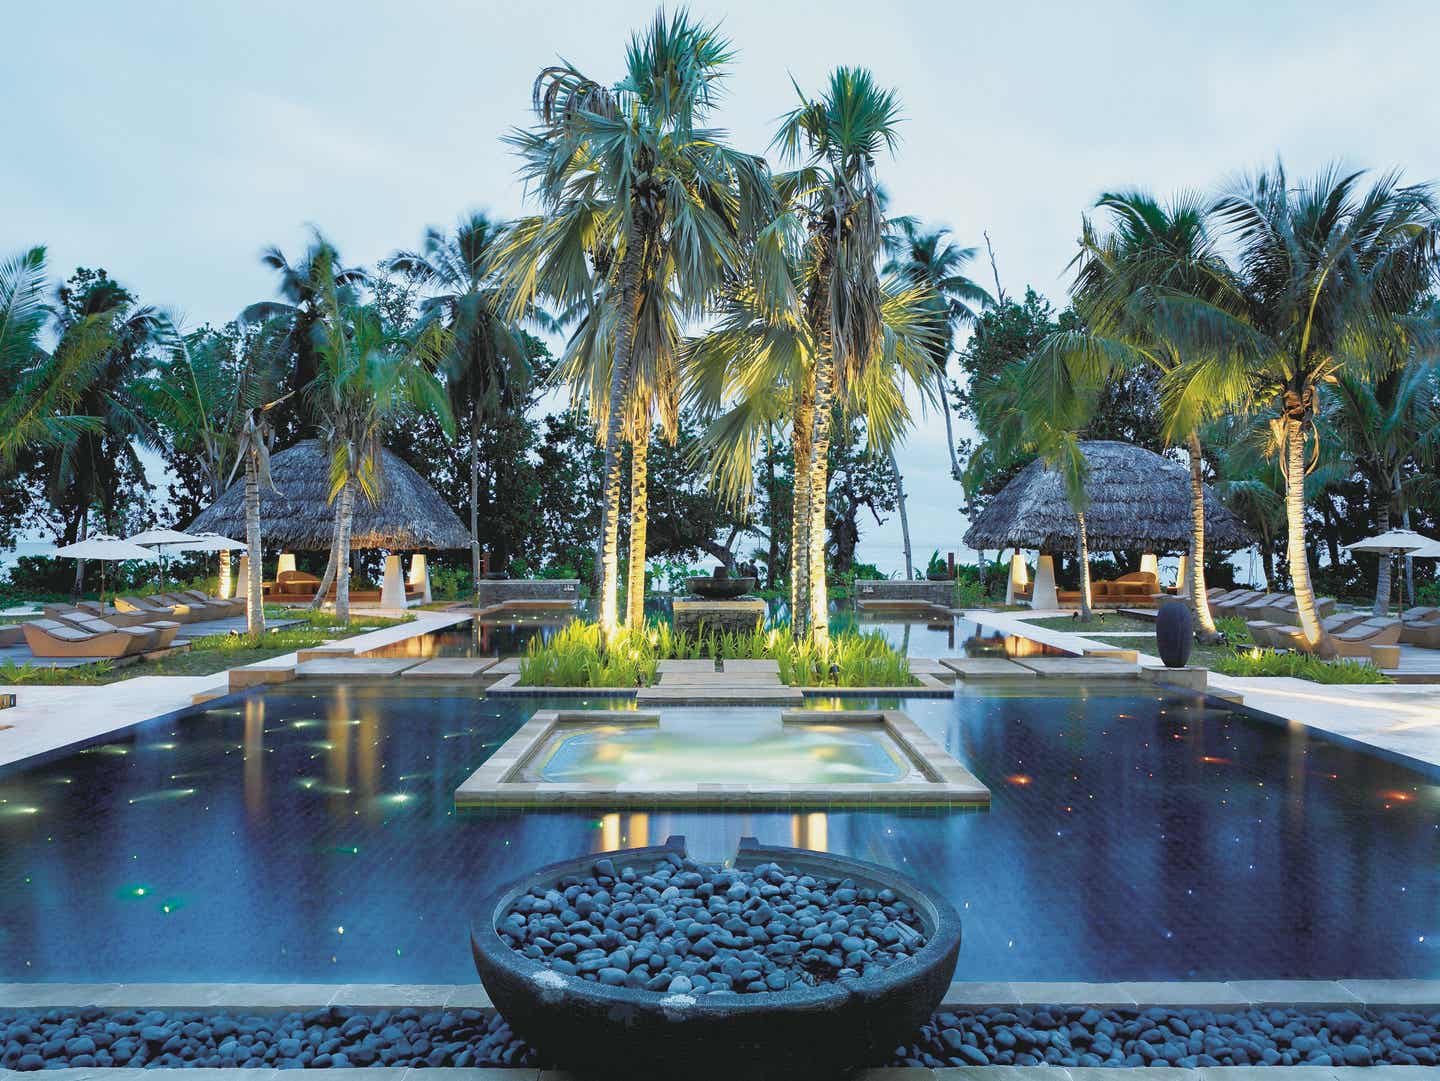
[
  {"x": 46, "y": 718},
  {"x": 1403, "y": 719}
]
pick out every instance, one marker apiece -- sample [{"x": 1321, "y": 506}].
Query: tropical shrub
[
  {"x": 1267, "y": 662},
  {"x": 579, "y": 655}
]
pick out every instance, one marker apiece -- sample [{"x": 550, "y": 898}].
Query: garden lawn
[{"x": 206, "y": 656}]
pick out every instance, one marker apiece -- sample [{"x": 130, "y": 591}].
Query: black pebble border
[
  {"x": 338, "y": 1037},
  {"x": 691, "y": 928}
]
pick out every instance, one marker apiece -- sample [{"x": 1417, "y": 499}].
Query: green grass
[
  {"x": 206, "y": 656},
  {"x": 579, "y": 656},
  {"x": 1267, "y": 662}
]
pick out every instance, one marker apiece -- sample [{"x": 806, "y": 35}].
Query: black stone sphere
[{"x": 1174, "y": 633}]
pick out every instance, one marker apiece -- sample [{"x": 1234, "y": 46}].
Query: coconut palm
[
  {"x": 368, "y": 375},
  {"x": 487, "y": 370},
  {"x": 1151, "y": 250},
  {"x": 38, "y": 390},
  {"x": 252, "y": 454},
  {"x": 752, "y": 377},
  {"x": 1327, "y": 275},
  {"x": 1383, "y": 425},
  {"x": 929, "y": 257},
  {"x": 204, "y": 394},
  {"x": 630, "y": 181},
  {"x": 834, "y": 140},
  {"x": 300, "y": 289}
]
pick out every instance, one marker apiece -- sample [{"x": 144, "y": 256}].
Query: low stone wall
[
  {"x": 499, "y": 590},
  {"x": 898, "y": 589}
]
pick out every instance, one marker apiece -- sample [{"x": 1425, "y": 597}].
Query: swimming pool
[{"x": 302, "y": 837}]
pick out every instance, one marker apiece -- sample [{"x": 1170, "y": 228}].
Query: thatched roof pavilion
[
  {"x": 409, "y": 516},
  {"x": 1138, "y": 499}
]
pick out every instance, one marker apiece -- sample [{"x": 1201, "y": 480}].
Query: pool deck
[
  {"x": 1400, "y": 719},
  {"x": 46, "y": 719}
]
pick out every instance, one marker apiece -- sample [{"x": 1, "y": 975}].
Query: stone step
[{"x": 974, "y": 669}]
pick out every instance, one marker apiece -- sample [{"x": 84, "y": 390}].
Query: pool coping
[
  {"x": 1141, "y": 994},
  {"x": 883, "y": 1073},
  {"x": 496, "y": 783}
]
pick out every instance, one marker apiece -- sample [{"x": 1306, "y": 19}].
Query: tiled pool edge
[
  {"x": 1352, "y": 994},
  {"x": 884, "y": 1073}
]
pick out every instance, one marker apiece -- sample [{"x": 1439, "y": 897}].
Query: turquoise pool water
[{"x": 303, "y": 837}]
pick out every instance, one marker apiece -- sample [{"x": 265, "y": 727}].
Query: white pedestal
[
  {"x": 242, "y": 577},
  {"x": 1044, "y": 595},
  {"x": 1182, "y": 577},
  {"x": 287, "y": 563},
  {"x": 1019, "y": 576},
  {"x": 1148, "y": 563},
  {"x": 392, "y": 588},
  {"x": 420, "y": 576}
]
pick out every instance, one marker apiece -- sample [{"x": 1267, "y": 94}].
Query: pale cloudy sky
[{"x": 168, "y": 142}]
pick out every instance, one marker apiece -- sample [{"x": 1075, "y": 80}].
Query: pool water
[
  {"x": 686, "y": 746},
  {"x": 311, "y": 837}
]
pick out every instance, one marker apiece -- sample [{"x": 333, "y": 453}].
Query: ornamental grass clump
[
  {"x": 580, "y": 655},
  {"x": 1268, "y": 662}
]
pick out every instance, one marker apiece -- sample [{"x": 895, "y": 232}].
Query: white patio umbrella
[
  {"x": 1395, "y": 542},
  {"x": 162, "y": 539},
  {"x": 104, "y": 548}
]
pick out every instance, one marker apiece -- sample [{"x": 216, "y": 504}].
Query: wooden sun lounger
[
  {"x": 1356, "y": 641},
  {"x": 158, "y": 634},
  {"x": 235, "y": 606},
  {"x": 50, "y": 638}
]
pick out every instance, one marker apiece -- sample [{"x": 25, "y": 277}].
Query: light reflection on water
[{"x": 1153, "y": 837}]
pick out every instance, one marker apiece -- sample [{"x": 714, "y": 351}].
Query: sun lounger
[
  {"x": 1356, "y": 641},
  {"x": 1259, "y": 607},
  {"x": 233, "y": 607},
  {"x": 200, "y": 611},
  {"x": 1231, "y": 605},
  {"x": 1423, "y": 613},
  {"x": 96, "y": 609},
  {"x": 152, "y": 609},
  {"x": 1290, "y": 609},
  {"x": 50, "y": 638},
  {"x": 158, "y": 634},
  {"x": 1424, "y": 635},
  {"x": 11, "y": 635},
  {"x": 1265, "y": 633}
]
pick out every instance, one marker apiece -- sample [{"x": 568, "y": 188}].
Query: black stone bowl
[
  {"x": 719, "y": 589},
  {"x": 808, "y": 1032}
]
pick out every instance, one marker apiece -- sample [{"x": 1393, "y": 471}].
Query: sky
[{"x": 170, "y": 142}]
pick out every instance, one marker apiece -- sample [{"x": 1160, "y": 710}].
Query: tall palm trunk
[
  {"x": 639, "y": 519},
  {"x": 800, "y": 509},
  {"x": 327, "y": 578},
  {"x": 614, "y": 421},
  {"x": 344, "y": 521},
  {"x": 1084, "y": 554},
  {"x": 1199, "y": 600},
  {"x": 949, "y": 429},
  {"x": 475, "y": 496},
  {"x": 819, "y": 490},
  {"x": 1295, "y": 521},
  {"x": 254, "y": 574},
  {"x": 1383, "y": 577},
  {"x": 904, "y": 516}
]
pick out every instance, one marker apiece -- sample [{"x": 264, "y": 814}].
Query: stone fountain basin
[
  {"x": 717, "y": 589},
  {"x": 808, "y": 1032}
]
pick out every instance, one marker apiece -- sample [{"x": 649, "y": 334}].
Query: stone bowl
[
  {"x": 808, "y": 1032},
  {"x": 719, "y": 589}
]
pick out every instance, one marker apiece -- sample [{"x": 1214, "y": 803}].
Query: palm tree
[
  {"x": 252, "y": 453},
  {"x": 486, "y": 367},
  {"x": 39, "y": 390},
  {"x": 1152, "y": 250},
  {"x": 367, "y": 376},
  {"x": 95, "y": 312},
  {"x": 205, "y": 394},
  {"x": 752, "y": 376},
  {"x": 834, "y": 140},
  {"x": 1383, "y": 425},
  {"x": 628, "y": 180},
  {"x": 300, "y": 287},
  {"x": 1326, "y": 278},
  {"x": 929, "y": 257}
]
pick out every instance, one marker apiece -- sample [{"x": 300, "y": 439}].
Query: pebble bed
[
  {"x": 690, "y": 928},
  {"x": 340, "y": 1037}
]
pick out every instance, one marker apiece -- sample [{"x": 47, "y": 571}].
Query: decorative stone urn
[
  {"x": 719, "y": 586},
  {"x": 1174, "y": 633},
  {"x": 804, "y": 1033}
]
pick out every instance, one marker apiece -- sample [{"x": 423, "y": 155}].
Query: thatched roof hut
[
  {"x": 409, "y": 515},
  {"x": 1137, "y": 500}
]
